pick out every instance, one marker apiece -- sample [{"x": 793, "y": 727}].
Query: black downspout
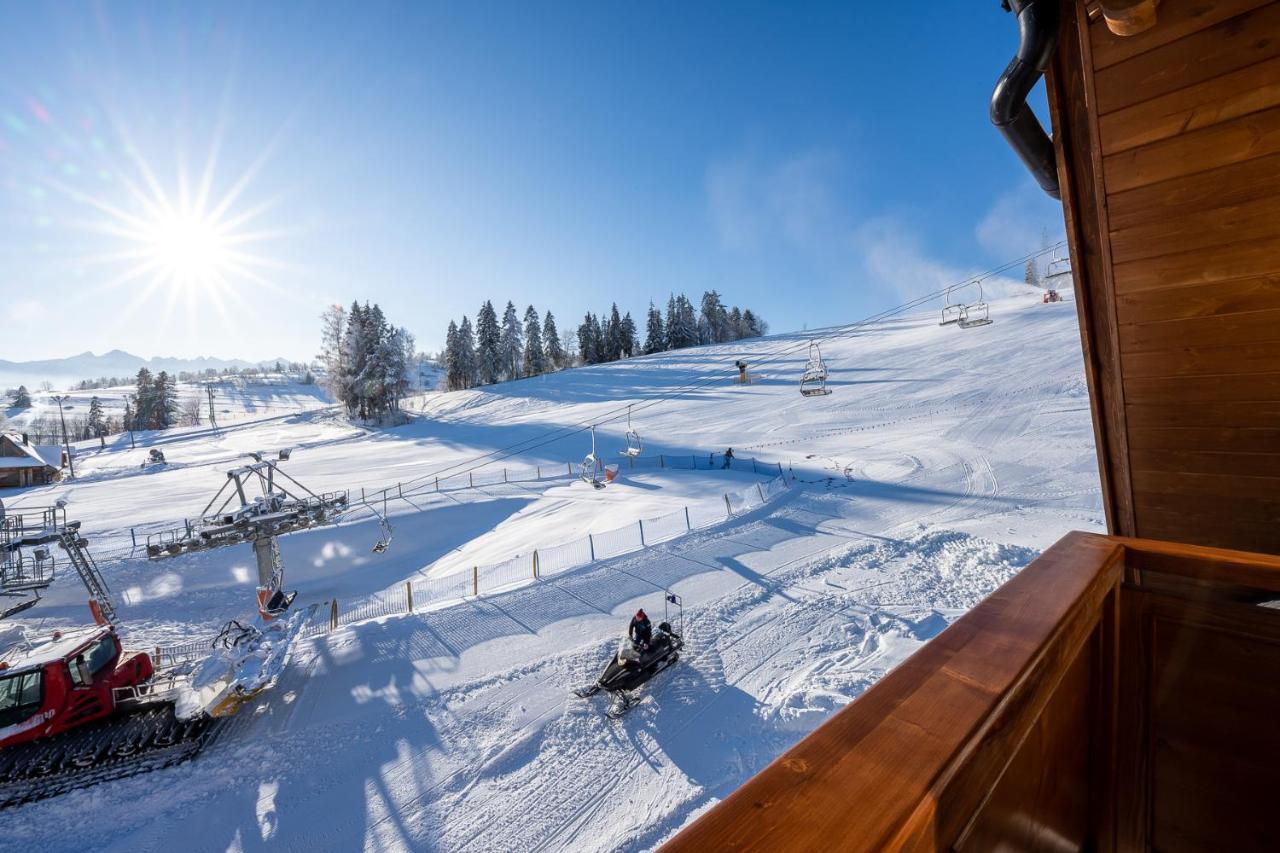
[{"x": 1038, "y": 34}]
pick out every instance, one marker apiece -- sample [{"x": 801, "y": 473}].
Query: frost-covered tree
[
  {"x": 96, "y": 425},
  {"x": 467, "y": 354},
  {"x": 488, "y": 336},
  {"x": 627, "y": 335},
  {"x": 682, "y": 325},
  {"x": 752, "y": 325},
  {"x": 590, "y": 345},
  {"x": 613, "y": 335},
  {"x": 22, "y": 398},
  {"x": 551, "y": 340},
  {"x": 452, "y": 365},
  {"x": 333, "y": 323},
  {"x": 655, "y": 337},
  {"x": 535, "y": 357},
  {"x": 164, "y": 406},
  {"x": 144, "y": 403},
  {"x": 713, "y": 324},
  {"x": 511, "y": 343},
  {"x": 735, "y": 330}
]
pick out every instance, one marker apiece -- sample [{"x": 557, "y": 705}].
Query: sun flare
[{"x": 188, "y": 250}]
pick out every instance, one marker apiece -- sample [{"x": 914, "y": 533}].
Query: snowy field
[{"x": 943, "y": 462}]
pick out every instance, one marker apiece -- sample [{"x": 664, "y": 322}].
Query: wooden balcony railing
[{"x": 1117, "y": 694}]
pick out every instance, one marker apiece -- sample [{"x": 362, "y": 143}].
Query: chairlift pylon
[
  {"x": 634, "y": 444},
  {"x": 813, "y": 382},
  {"x": 592, "y": 470}
]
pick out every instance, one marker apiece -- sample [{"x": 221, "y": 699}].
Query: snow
[{"x": 941, "y": 464}]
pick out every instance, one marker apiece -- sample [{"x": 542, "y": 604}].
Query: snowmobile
[{"x": 632, "y": 666}]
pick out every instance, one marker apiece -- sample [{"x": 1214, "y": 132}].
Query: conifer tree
[
  {"x": 627, "y": 335},
  {"x": 535, "y": 358},
  {"x": 655, "y": 338},
  {"x": 511, "y": 343},
  {"x": 551, "y": 340},
  {"x": 467, "y": 355},
  {"x": 22, "y": 398},
  {"x": 487, "y": 337}
]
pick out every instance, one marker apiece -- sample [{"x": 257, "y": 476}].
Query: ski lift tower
[
  {"x": 24, "y": 576},
  {"x": 257, "y": 504}
]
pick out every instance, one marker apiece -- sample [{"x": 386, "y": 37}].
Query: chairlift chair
[
  {"x": 592, "y": 470},
  {"x": 977, "y": 314},
  {"x": 634, "y": 444},
  {"x": 813, "y": 382},
  {"x": 952, "y": 312}
]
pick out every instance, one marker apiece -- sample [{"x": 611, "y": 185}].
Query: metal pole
[
  {"x": 761, "y": 491},
  {"x": 641, "y": 523},
  {"x": 58, "y": 398},
  {"x": 408, "y": 591},
  {"x": 591, "y": 543},
  {"x": 728, "y": 506},
  {"x": 687, "y": 523}
]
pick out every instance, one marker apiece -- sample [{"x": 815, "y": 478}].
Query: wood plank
[
  {"x": 1234, "y": 183},
  {"x": 1204, "y": 361},
  {"x": 1235, "y": 141},
  {"x": 1069, "y": 87},
  {"x": 1205, "y": 389},
  {"x": 1175, "y": 21},
  {"x": 1186, "y": 524},
  {"x": 908, "y": 764},
  {"x": 1246, "y": 440},
  {"x": 1213, "y": 299},
  {"x": 1207, "y": 462},
  {"x": 1184, "y": 231},
  {"x": 1246, "y": 39},
  {"x": 1226, "y": 329},
  {"x": 1203, "y": 486},
  {"x": 1181, "y": 414},
  {"x": 1247, "y": 90},
  {"x": 1254, "y": 259}
]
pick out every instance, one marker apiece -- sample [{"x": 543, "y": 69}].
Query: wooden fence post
[
  {"x": 408, "y": 591},
  {"x": 687, "y": 523},
  {"x": 779, "y": 469},
  {"x": 504, "y": 475},
  {"x": 437, "y": 484},
  {"x": 728, "y": 506},
  {"x": 753, "y": 465},
  {"x": 760, "y": 489},
  {"x": 333, "y": 615},
  {"x": 539, "y": 472},
  {"x": 662, "y": 461},
  {"x": 591, "y": 543},
  {"x": 400, "y": 489},
  {"x": 475, "y": 581},
  {"x": 569, "y": 465},
  {"x": 134, "y": 537},
  {"x": 535, "y": 565},
  {"x": 471, "y": 478},
  {"x": 641, "y": 523},
  {"x": 363, "y": 499}
]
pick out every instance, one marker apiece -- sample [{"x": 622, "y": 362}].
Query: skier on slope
[
  {"x": 728, "y": 458},
  {"x": 640, "y": 630}
]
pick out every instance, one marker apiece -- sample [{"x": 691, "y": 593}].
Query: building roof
[{"x": 33, "y": 456}]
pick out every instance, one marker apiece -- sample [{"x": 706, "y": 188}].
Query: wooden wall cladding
[{"x": 1172, "y": 169}]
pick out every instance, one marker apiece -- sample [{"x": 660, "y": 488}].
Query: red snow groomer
[{"x": 64, "y": 682}]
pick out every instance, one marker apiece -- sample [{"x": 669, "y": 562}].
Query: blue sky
[{"x": 816, "y": 162}]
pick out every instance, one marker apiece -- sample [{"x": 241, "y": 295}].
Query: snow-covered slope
[{"x": 941, "y": 463}]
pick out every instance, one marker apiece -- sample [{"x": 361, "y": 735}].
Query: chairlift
[
  {"x": 592, "y": 470},
  {"x": 952, "y": 312},
  {"x": 977, "y": 314},
  {"x": 813, "y": 382},
  {"x": 634, "y": 444}
]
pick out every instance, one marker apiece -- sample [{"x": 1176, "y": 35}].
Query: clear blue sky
[{"x": 816, "y": 162}]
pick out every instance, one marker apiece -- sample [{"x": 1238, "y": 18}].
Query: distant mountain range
[{"x": 64, "y": 372}]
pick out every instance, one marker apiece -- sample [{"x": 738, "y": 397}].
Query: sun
[{"x": 187, "y": 249}]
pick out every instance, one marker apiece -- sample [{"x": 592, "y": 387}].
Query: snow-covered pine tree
[
  {"x": 613, "y": 335},
  {"x": 488, "y": 361},
  {"x": 511, "y": 344},
  {"x": 467, "y": 355},
  {"x": 587, "y": 345},
  {"x": 144, "y": 401},
  {"x": 734, "y": 328},
  {"x": 355, "y": 355},
  {"x": 535, "y": 358},
  {"x": 655, "y": 338},
  {"x": 627, "y": 334},
  {"x": 682, "y": 330},
  {"x": 551, "y": 341},
  {"x": 452, "y": 359},
  {"x": 164, "y": 401},
  {"x": 600, "y": 348},
  {"x": 22, "y": 398},
  {"x": 96, "y": 425},
  {"x": 750, "y": 324},
  {"x": 714, "y": 322}
]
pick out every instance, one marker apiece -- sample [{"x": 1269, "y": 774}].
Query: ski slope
[{"x": 942, "y": 462}]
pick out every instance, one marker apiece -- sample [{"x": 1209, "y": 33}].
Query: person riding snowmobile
[{"x": 640, "y": 630}]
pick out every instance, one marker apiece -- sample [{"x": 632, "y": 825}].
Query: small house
[{"x": 24, "y": 464}]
